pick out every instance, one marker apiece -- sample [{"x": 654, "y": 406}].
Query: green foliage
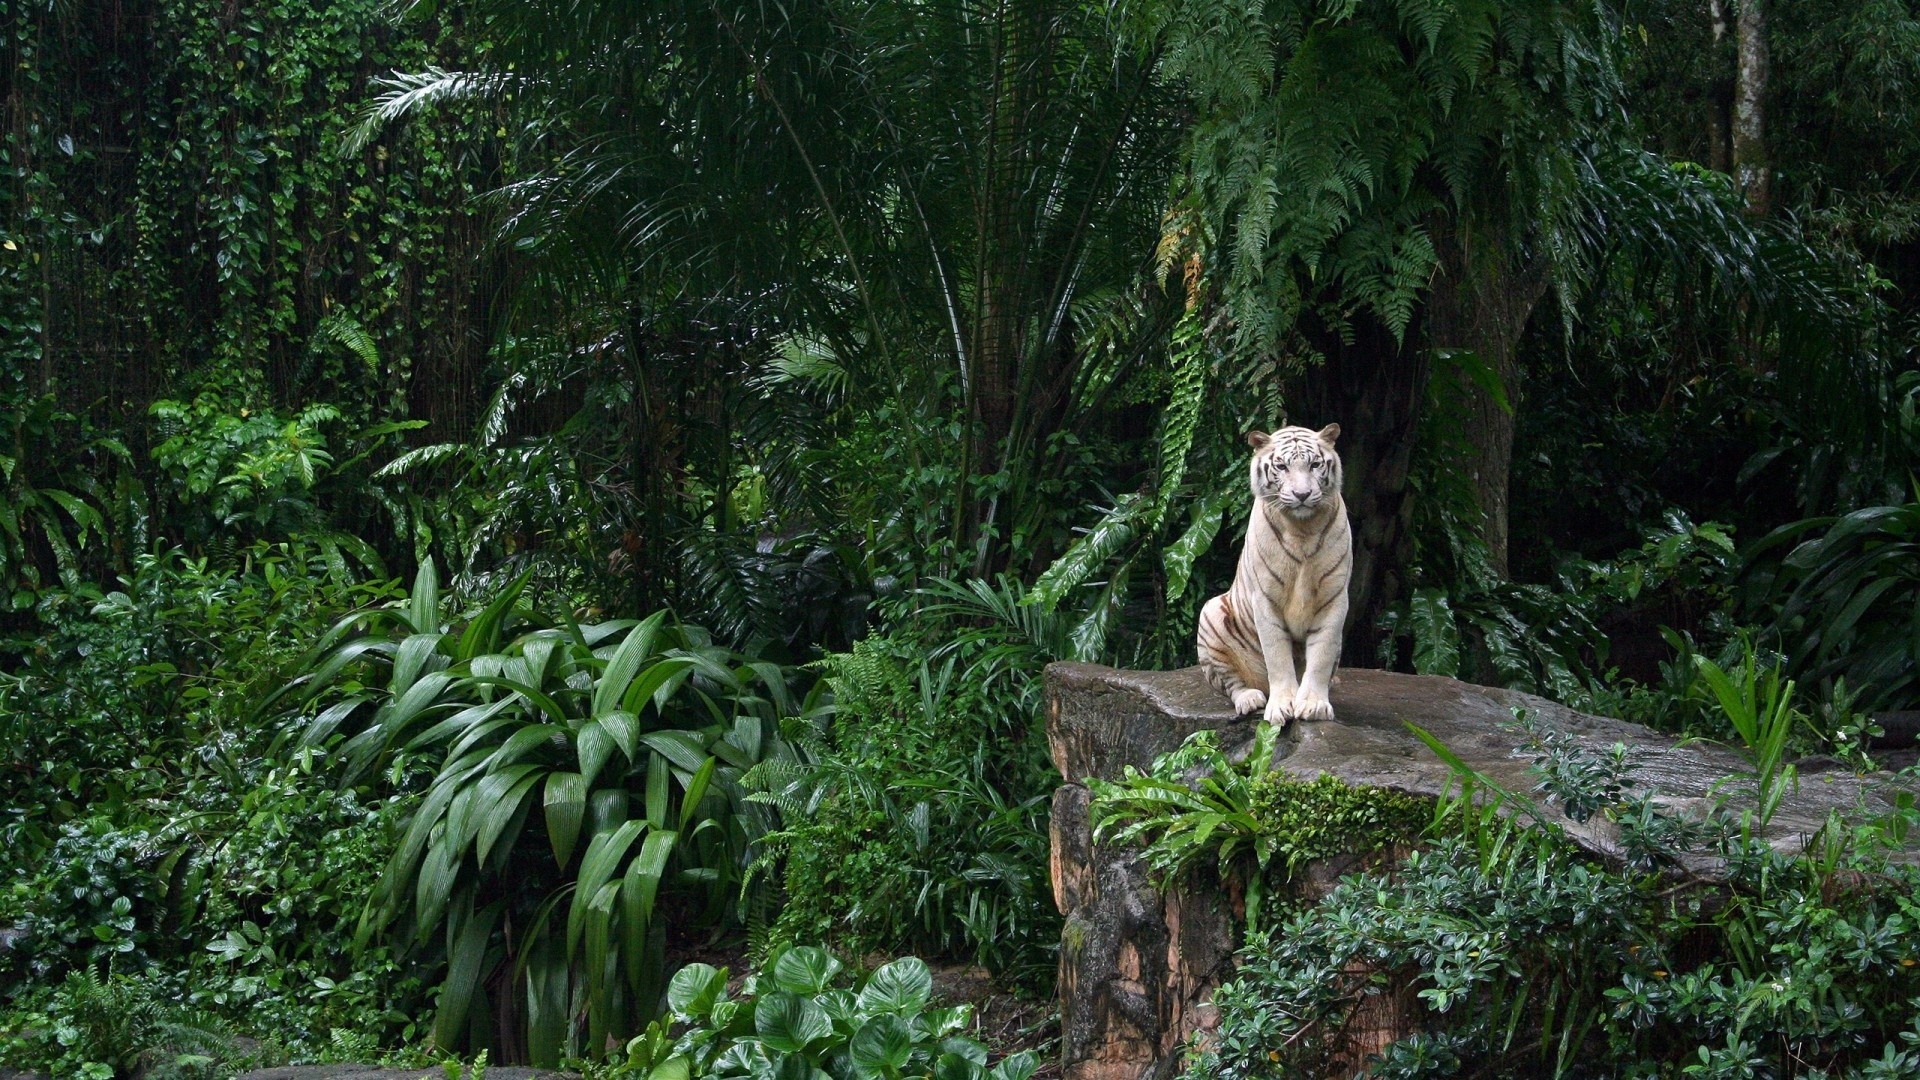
[
  {"x": 1840, "y": 596},
  {"x": 918, "y": 817},
  {"x": 124, "y": 694},
  {"x": 1332, "y": 138},
  {"x": 625, "y": 740},
  {"x": 791, "y": 1019},
  {"x": 50, "y": 510},
  {"x": 98, "y": 1029},
  {"x": 1249, "y": 823},
  {"x": 1797, "y": 963},
  {"x": 235, "y": 475},
  {"x": 1542, "y": 639}
]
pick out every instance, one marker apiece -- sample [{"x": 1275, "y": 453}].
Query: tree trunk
[
  {"x": 1374, "y": 388},
  {"x": 1750, "y": 167},
  {"x": 1719, "y": 93},
  {"x": 1481, "y": 299}
]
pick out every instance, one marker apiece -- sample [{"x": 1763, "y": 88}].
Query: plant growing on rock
[{"x": 1198, "y": 806}]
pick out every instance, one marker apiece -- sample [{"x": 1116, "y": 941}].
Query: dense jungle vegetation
[{"x": 510, "y": 506}]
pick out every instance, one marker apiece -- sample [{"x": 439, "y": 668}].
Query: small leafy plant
[
  {"x": 1197, "y": 806},
  {"x": 792, "y": 1021}
]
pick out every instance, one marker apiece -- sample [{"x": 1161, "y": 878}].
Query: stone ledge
[
  {"x": 1137, "y": 965},
  {"x": 360, "y": 1072}
]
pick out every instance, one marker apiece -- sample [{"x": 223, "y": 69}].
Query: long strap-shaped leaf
[
  {"x": 603, "y": 857},
  {"x": 637, "y": 892},
  {"x": 464, "y": 960},
  {"x": 625, "y": 663}
]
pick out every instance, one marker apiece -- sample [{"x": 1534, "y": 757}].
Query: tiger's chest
[{"x": 1300, "y": 572}]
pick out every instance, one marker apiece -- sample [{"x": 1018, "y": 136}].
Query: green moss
[{"x": 1326, "y": 816}]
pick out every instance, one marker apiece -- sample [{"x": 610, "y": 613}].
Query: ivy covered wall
[{"x": 178, "y": 211}]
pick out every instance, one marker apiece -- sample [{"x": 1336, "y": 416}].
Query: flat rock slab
[
  {"x": 1138, "y": 962},
  {"x": 1103, "y": 719},
  {"x": 377, "y": 1073}
]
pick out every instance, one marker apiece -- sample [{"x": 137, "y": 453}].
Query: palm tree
[{"x": 921, "y": 191}]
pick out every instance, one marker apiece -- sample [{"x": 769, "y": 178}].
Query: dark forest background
[{"x": 499, "y": 497}]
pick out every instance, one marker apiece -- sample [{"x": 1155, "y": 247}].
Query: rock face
[{"x": 1137, "y": 963}]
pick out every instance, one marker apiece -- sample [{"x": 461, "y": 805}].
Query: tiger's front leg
[
  {"x": 1311, "y": 700},
  {"x": 1276, "y": 649}
]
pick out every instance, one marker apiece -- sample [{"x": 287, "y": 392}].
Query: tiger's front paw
[
  {"x": 1247, "y": 699},
  {"x": 1279, "y": 711},
  {"x": 1311, "y": 705}
]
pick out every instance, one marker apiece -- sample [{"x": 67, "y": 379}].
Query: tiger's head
[{"x": 1296, "y": 469}]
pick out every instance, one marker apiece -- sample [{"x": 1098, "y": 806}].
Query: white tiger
[{"x": 1291, "y": 585}]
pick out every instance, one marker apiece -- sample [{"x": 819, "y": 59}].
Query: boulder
[{"x": 1137, "y": 963}]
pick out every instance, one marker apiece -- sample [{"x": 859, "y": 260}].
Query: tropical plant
[
  {"x": 790, "y": 1019},
  {"x": 1251, "y": 825},
  {"x": 1842, "y": 598},
  {"x": 49, "y": 514},
  {"x": 627, "y": 738},
  {"x": 916, "y": 818},
  {"x": 923, "y": 195},
  {"x": 1779, "y": 968}
]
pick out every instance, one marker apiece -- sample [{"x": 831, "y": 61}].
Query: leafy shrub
[
  {"x": 918, "y": 819},
  {"x": 122, "y": 694},
  {"x": 252, "y": 472},
  {"x": 791, "y": 1020},
  {"x": 50, "y": 510},
  {"x": 594, "y": 729},
  {"x": 1841, "y": 597},
  {"x": 97, "y": 1029},
  {"x": 1797, "y": 965},
  {"x": 235, "y": 902},
  {"x": 1546, "y": 639}
]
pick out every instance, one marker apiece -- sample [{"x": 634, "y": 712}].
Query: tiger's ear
[
  {"x": 1329, "y": 433},
  {"x": 1258, "y": 439}
]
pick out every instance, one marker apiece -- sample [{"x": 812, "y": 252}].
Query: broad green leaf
[
  {"x": 903, "y": 986},
  {"x": 958, "y": 1045},
  {"x": 417, "y": 655},
  {"x": 657, "y": 776},
  {"x": 625, "y": 729},
  {"x": 464, "y": 970},
  {"x": 684, "y": 748},
  {"x": 603, "y": 856},
  {"x": 696, "y": 790},
  {"x": 1019, "y": 1066},
  {"x": 1087, "y": 554},
  {"x": 330, "y": 719},
  {"x": 1436, "y": 639},
  {"x": 693, "y": 990},
  {"x": 1179, "y": 557},
  {"x": 505, "y": 808},
  {"x": 540, "y": 700},
  {"x": 593, "y": 746},
  {"x": 434, "y": 886},
  {"x": 805, "y": 970},
  {"x": 656, "y": 684},
  {"x": 423, "y": 609},
  {"x": 677, "y": 1067},
  {"x": 611, "y": 688},
  {"x": 789, "y": 1023},
  {"x": 483, "y": 633},
  {"x": 637, "y": 892},
  {"x": 950, "y": 1066},
  {"x": 881, "y": 1048}
]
